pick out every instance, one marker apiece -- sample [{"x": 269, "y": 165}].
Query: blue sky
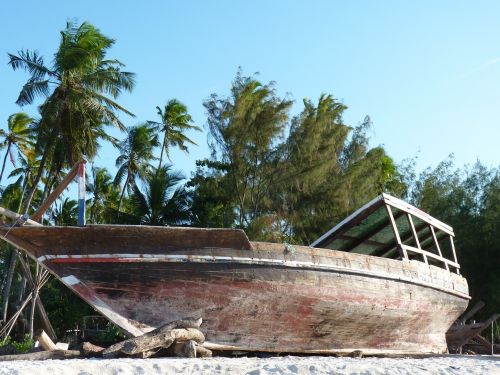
[{"x": 427, "y": 72}]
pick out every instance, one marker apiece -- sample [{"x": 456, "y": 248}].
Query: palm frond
[
  {"x": 32, "y": 63},
  {"x": 31, "y": 90}
]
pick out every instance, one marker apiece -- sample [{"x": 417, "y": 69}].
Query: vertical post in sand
[{"x": 81, "y": 194}]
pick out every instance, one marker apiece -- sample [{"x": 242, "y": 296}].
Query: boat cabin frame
[{"x": 389, "y": 227}]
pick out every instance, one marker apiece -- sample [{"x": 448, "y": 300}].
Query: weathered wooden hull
[{"x": 252, "y": 296}]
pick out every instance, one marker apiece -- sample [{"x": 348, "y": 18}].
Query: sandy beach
[{"x": 273, "y": 366}]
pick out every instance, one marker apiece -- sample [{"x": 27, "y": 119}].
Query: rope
[{"x": 21, "y": 220}]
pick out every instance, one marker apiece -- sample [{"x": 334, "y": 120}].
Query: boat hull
[{"x": 256, "y": 296}]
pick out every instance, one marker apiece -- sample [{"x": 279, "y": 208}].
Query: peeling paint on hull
[{"x": 314, "y": 300}]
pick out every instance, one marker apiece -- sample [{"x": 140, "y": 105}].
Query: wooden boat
[{"x": 379, "y": 282}]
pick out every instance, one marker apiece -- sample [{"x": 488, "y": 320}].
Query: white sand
[{"x": 253, "y": 366}]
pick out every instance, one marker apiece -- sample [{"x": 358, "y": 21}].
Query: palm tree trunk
[
  {"x": 23, "y": 190},
  {"x": 12, "y": 267},
  {"x": 123, "y": 192},
  {"x": 38, "y": 176},
  {"x": 5, "y": 160},
  {"x": 161, "y": 153},
  {"x": 8, "y": 283}
]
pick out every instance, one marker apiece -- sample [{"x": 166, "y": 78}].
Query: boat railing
[
  {"x": 391, "y": 228},
  {"x": 431, "y": 225},
  {"x": 448, "y": 264}
]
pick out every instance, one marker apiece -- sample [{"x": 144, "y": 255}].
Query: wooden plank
[
  {"x": 14, "y": 215},
  {"x": 44, "y": 340},
  {"x": 37, "y": 216},
  {"x": 437, "y": 246},
  {"x": 402, "y": 205},
  {"x": 431, "y": 255},
  {"x": 454, "y": 252},
  {"x": 39, "y": 356},
  {"x": 131, "y": 237},
  {"x": 396, "y": 232},
  {"x": 415, "y": 236}
]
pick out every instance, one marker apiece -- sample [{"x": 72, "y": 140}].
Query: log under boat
[{"x": 379, "y": 282}]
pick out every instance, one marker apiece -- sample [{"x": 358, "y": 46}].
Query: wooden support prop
[
  {"x": 38, "y": 356},
  {"x": 57, "y": 191},
  {"x": 44, "y": 340},
  {"x": 164, "y": 336},
  {"x": 472, "y": 311},
  {"x": 41, "y": 309},
  {"x": 15, "y": 216}
]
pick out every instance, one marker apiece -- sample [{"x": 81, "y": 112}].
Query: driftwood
[
  {"x": 463, "y": 333},
  {"x": 185, "y": 349},
  {"x": 162, "y": 340},
  {"x": 44, "y": 340},
  {"x": 190, "y": 349},
  {"x": 162, "y": 337},
  {"x": 38, "y": 356},
  {"x": 146, "y": 354},
  {"x": 91, "y": 350},
  {"x": 202, "y": 352}
]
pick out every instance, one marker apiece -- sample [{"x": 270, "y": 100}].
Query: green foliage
[
  {"x": 66, "y": 213},
  {"x": 20, "y": 135},
  {"x": 211, "y": 205},
  {"x": 22, "y": 346},
  {"x": 469, "y": 200},
  {"x": 327, "y": 170},
  {"x": 111, "y": 334},
  {"x": 281, "y": 179},
  {"x": 79, "y": 91},
  {"x": 65, "y": 309},
  {"x": 175, "y": 121},
  {"x": 279, "y": 188},
  {"x": 163, "y": 202},
  {"x": 136, "y": 153},
  {"x": 104, "y": 196},
  {"x": 244, "y": 129}
]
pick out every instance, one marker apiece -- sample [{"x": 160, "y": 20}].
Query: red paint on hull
[{"x": 257, "y": 308}]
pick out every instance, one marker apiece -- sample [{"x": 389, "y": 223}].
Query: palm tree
[
  {"x": 80, "y": 88},
  {"x": 136, "y": 155},
  {"x": 175, "y": 120},
  {"x": 25, "y": 172},
  {"x": 103, "y": 191},
  {"x": 163, "y": 201},
  {"x": 66, "y": 213},
  {"x": 19, "y": 135}
]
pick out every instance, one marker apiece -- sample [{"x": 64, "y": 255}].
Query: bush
[{"x": 23, "y": 346}]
